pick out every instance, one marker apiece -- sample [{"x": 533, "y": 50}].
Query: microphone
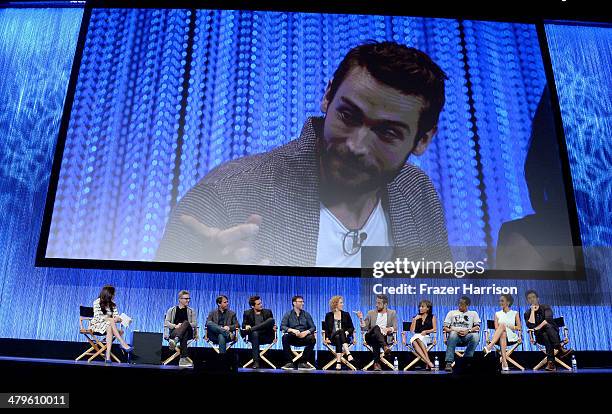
[{"x": 355, "y": 239}]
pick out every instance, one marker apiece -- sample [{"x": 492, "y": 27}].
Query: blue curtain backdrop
[
  {"x": 36, "y": 53},
  {"x": 138, "y": 141}
]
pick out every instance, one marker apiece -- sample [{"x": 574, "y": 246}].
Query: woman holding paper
[{"x": 105, "y": 319}]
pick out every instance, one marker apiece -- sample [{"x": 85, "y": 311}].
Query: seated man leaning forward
[
  {"x": 222, "y": 324},
  {"x": 463, "y": 329},
  {"x": 379, "y": 326},
  {"x": 346, "y": 178}
]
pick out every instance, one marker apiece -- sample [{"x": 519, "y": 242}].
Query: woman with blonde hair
[{"x": 339, "y": 329}]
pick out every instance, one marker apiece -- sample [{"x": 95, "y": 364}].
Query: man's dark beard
[{"x": 338, "y": 187}]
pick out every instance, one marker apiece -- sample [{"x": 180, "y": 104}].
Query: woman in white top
[
  {"x": 105, "y": 319},
  {"x": 507, "y": 324}
]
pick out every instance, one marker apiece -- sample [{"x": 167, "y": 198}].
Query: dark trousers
[
  {"x": 261, "y": 334},
  {"x": 308, "y": 342},
  {"x": 184, "y": 333},
  {"x": 375, "y": 338},
  {"x": 219, "y": 336},
  {"x": 339, "y": 338},
  {"x": 549, "y": 337}
]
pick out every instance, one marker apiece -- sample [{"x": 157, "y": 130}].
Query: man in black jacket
[
  {"x": 258, "y": 327},
  {"x": 540, "y": 319}
]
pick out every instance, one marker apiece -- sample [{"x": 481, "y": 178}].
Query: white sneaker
[{"x": 184, "y": 362}]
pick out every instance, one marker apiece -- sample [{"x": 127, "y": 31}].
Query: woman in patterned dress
[{"x": 105, "y": 320}]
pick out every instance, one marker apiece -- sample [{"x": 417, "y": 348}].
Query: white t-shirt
[
  {"x": 381, "y": 319},
  {"x": 461, "y": 320},
  {"x": 332, "y": 233}
]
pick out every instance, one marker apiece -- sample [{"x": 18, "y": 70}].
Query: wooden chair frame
[
  {"x": 262, "y": 352},
  {"x": 560, "y": 322},
  {"x": 382, "y": 358},
  {"x": 177, "y": 351},
  {"x": 96, "y": 346},
  {"x": 457, "y": 352},
  {"x": 511, "y": 346},
  {"x": 331, "y": 349},
  {"x": 407, "y": 344},
  {"x": 215, "y": 346},
  {"x": 297, "y": 354}
]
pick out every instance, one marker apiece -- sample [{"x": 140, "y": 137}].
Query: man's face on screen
[{"x": 369, "y": 131}]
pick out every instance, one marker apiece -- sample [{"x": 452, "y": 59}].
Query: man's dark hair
[
  {"x": 404, "y": 68},
  {"x": 466, "y": 300},
  {"x": 220, "y": 299},
  {"x": 509, "y": 298},
  {"x": 529, "y": 292},
  {"x": 296, "y": 297},
  {"x": 384, "y": 298},
  {"x": 253, "y": 299}
]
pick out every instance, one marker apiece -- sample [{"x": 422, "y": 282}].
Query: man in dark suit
[
  {"x": 540, "y": 318},
  {"x": 222, "y": 324},
  {"x": 258, "y": 327}
]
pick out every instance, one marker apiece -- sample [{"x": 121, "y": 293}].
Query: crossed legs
[{"x": 111, "y": 331}]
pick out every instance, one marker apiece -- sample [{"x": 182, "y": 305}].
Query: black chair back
[
  {"x": 559, "y": 322},
  {"x": 490, "y": 324},
  {"x": 86, "y": 311},
  {"x": 323, "y": 327},
  {"x": 406, "y": 326}
]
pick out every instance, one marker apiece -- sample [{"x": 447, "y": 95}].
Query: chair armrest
[{"x": 531, "y": 333}]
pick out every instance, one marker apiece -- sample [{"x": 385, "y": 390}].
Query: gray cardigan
[
  {"x": 282, "y": 186},
  {"x": 192, "y": 317}
]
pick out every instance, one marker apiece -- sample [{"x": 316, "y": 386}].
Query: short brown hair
[
  {"x": 404, "y": 68},
  {"x": 183, "y": 292}
]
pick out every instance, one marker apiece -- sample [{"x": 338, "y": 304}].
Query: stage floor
[
  {"x": 152, "y": 385},
  {"x": 30, "y": 363}
]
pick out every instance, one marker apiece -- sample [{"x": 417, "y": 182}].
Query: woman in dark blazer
[{"x": 339, "y": 329}]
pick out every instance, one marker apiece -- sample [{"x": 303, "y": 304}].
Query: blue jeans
[
  {"x": 470, "y": 341},
  {"x": 218, "y": 335}
]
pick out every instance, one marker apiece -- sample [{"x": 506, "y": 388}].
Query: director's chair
[
  {"x": 510, "y": 346},
  {"x": 382, "y": 357},
  {"x": 215, "y": 344},
  {"x": 343, "y": 360},
  {"x": 408, "y": 344},
  {"x": 457, "y": 352},
  {"x": 177, "y": 349},
  {"x": 97, "y": 346},
  {"x": 560, "y": 323},
  {"x": 298, "y": 351},
  {"x": 262, "y": 352}
]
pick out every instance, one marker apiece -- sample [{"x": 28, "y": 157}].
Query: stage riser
[{"x": 70, "y": 350}]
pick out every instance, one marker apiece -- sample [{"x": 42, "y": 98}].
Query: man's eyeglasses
[{"x": 185, "y": 298}]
